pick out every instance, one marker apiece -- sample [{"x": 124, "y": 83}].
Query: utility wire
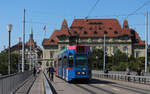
[
  {"x": 132, "y": 13},
  {"x": 92, "y": 9}
]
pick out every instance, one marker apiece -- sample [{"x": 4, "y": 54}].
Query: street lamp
[
  {"x": 9, "y": 27},
  {"x": 104, "y": 53}
]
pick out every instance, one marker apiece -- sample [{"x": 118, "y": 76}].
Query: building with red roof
[
  {"x": 35, "y": 50},
  {"x": 91, "y": 32}
]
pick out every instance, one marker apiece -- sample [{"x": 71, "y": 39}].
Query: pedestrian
[
  {"x": 51, "y": 73},
  {"x": 139, "y": 72},
  {"x": 34, "y": 71},
  {"x": 127, "y": 71}
]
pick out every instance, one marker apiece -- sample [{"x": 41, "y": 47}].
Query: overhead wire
[
  {"x": 92, "y": 8},
  {"x": 144, "y": 4}
]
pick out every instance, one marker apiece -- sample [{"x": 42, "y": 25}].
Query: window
[
  {"x": 115, "y": 49},
  {"x": 125, "y": 49},
  {"x": 52, "y": 40},
  {"x": 105, "y": 32},
  {"x": 126, "y": 26},
  {"x": 95, "y": 32},
  {"x": 110, "y": 28},
  {"x": 70, "y": 63},
  {"x": 65, "y": 61},
  {"x": 81, "y": 61},
  {"x": 100, "y": 28},
  {"x": 51, "y": 54},
  {"x": 90, "y": 28},
  {"x": 75, "y": 32},
  {"x": 137, "y": 54},
  {"x": 115, "y": 32},
  {"x": 85, "y": 32}
]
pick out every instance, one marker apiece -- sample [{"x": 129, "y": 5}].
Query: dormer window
[
  {"x": 75, "y": 32},
  {"x": 126, "y": 26},
  {"x": 52, "y": 40},
  {"x": 115, "y": 32},
  {"x": 105, "y": 32},
  {"x": 85, "y": 32},
  {"x": 100, "y": 28},
  {"x": 95, "y": 32},
  {"x": 110, "y": 28},
  {"x": 90, "y": 28}
]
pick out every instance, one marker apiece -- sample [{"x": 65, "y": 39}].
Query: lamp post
[
  {"x": 104, "y": 54},
  {"x": 9, "y": 27}
]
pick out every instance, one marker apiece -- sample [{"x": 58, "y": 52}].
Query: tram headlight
[
  {"x": 83, "y": 73},
  {"x": 78, "y": 73}
]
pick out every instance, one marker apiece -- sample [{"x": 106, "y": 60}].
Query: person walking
[
  {"x": 34, "y": 71},
  {"x": 139, "y": 72},
  {"x": 51, "y": 73}
]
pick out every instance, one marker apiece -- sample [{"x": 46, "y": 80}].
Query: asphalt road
[{"x": 99, "y": 86}]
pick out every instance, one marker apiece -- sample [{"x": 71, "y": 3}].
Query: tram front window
[{"x": 81, "y": 63}]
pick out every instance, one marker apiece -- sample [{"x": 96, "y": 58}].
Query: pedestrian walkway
[
  {"x": 61, "y": 86},
  {"x": 38, "y": 86}
]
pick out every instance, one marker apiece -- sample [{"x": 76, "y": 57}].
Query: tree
[{"x": 4, "y": 63}]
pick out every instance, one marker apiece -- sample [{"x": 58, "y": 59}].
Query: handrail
[
  {"x": 129, "y": 78},
  {"x": 10, "y": 82}
]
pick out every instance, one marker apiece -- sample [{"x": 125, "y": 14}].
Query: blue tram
[{"x": 73, "y": 63}]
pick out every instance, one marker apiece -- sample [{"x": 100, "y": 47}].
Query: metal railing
[
  {"x": 9, "y": 83},
  {"x": 121, "y": 72},
  {"x": 123, "y": 77}
]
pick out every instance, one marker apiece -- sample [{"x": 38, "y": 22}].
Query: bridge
[{"x": 101, "y": 83}]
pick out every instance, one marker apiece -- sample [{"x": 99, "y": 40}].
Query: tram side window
[
  {"x": 70, "y": 63},
  {"x": 59, "y": 62},
  {"x": 65, "y": 61}
]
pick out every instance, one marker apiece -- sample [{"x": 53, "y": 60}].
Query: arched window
[
  {"x": 125, "y": 49},
  {"x": 115, "y": 49}
]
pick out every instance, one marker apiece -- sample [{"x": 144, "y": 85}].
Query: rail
[
  {"x": 11, "y": 82},
  {"x": 123, "y": 77}
]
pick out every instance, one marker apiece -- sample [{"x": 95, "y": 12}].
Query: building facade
[
  {"x": 32, "y": 51},
  {"x": 91, "y": 32}
]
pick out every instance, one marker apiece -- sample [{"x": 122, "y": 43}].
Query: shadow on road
[
  {"x": 97, "y": 81},
  {"x": 92, "y": 81}
]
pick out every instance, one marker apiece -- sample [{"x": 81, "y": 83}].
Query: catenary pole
[
  {"x": 23, "y": 42},
  {"x": 146, "y": 43},
  {"x": 104, "y": 54}
]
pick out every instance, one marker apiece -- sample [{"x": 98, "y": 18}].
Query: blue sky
[{"x": 52, "y": 12}]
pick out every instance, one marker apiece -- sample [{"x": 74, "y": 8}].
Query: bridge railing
[
  {"x": 121, "y": 72},
  {"x": 123, "y": 77},
  {"x": 9, "y": 83}
]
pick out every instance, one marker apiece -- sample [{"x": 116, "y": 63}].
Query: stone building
[
  {"x": 36, "y": 51},
  {"x": 91, "y": 32}
]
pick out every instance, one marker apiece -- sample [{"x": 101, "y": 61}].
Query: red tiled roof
[{"x": 92, "y": 28}]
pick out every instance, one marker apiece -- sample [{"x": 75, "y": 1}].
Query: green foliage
[
  {"x": 4, "y": 63},
  {"x": 96, "y": 58},
  {"x": 117, "y": 62}
]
